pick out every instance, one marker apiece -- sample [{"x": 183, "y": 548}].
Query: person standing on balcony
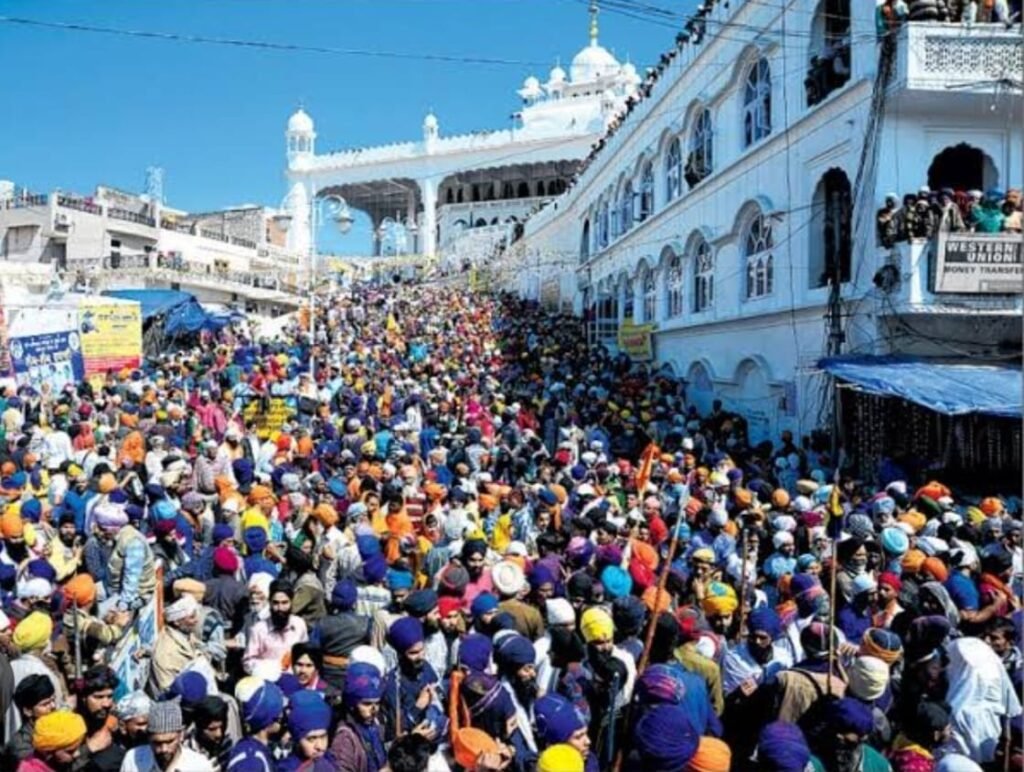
[{"x": 928, "y": 10}]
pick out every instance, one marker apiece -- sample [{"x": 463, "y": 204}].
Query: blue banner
[{"x": 53, "y": 358}]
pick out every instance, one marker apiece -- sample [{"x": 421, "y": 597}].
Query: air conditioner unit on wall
[{"x": 62, "y": 221}]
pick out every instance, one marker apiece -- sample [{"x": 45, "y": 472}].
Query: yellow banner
[
  {"x": 111, "y": 336},
  {"x": 279, "y": 410},
  {"x": 636, "y": 340}
]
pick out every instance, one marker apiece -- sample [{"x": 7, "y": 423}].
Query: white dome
[
  {"x": 593, "y": 62},
  {"x": 430, "y": 122},
  {"x": 557, "y": 75},
  {"x": 300, "y": 122},
  {"x": 629, "y": 73},
  {"x": 530, "y": 89}
]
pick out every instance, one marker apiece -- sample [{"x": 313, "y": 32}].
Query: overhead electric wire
[{"x": 182, "y": 37}]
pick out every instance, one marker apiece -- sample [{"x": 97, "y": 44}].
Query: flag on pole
[{"x": 643, "y": 472}]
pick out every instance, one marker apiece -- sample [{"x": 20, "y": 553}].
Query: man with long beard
[
  {"x": 132, "y": 713},
  {"x": 612, "y": 676},
  {"x": 412, "y": 700},
  {"x": 515, "y": 657},
  {"x": 423, "y": 605},
  {"x": 272, "y": 639}
]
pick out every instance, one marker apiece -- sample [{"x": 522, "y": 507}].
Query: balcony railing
[
  {"x": 25, "y": 201},
  {"x": 214, "y": 235},
  {"x": 943, "y": 56},
  {"x": 129, "y": 216},
  {"x": 79, "y": 204}
]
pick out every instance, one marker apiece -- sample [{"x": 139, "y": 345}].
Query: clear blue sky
[{"x": 84, "y": 108}]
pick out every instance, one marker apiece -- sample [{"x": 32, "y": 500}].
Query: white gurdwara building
[{"x": 456, "y": 195}]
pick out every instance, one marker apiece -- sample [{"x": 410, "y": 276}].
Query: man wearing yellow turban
[
  {"x": 56, "y": 739},
  {"x": 719, "y": 604}
]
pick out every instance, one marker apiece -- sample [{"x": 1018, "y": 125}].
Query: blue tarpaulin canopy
[
  {"x": 181, "y": 311},
  {"x": 950, "y": 389}
]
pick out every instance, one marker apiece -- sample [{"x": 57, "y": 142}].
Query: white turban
[{"x": 182, "y": 608}]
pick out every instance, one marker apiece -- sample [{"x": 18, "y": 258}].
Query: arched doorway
[
  {"x": 831, "y": 230},
  {"x": 700, "y": 389},
  {"x": 962, "y": 167}
]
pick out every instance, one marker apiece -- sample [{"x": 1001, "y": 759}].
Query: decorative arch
[
  {"x": 750, "y": 54},
  {"x": 700, "y": 385},
  {"x": 962, "y": 167},
  {"x": 701, "y": 256},
  {"x": 756, "y": 93},
  {"x": 757, "y": 247},
  {"x": 585, "y": 241},
  {"x": 751, "y": 207},
  {"x": 672, "y": 261},
  {"x": 828, "y": 68},
  {"x": 751, "y": 363},
  {"x": 831, "y": 230}
]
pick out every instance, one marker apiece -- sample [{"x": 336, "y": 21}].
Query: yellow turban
[
  {"x": 561, "y": 757},
  {"x": 975, "y": 516},
  {"x": 33, "y": 632},
  {"x": 720, "y": 600},
  {"x": 596, "y": 625},
  {"x": 254, "y": 518},
  {"x": 58, "y": 730},
  {"x": 914, "y": 519}
]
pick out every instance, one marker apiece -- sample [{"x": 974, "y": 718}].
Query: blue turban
[
  {"x": 665, "y": 738},
  {"x": 343, "y": 596},
  {"x": 782, "y": 747},
  {"x": 289, "y": 684},
  {"x": 661, "y": 684},
  {"x": 850, "y": 715},
  {"x": 617, "y": 582},
  {"x": 883, "y": 506},
  {"x": 222, "y": 532},
  {"x": 190, "y": 686},
  {"x": 547, "y": 497},
  {"x": 765, "y": 619},
  {"x": 155, "y": 491},
  {"x": 420, "y": 603},
  {"x": 541, "y": 575},
  {"x": 368, "y": 545},
  {"x": 243, "y": 470},
  {"x": 895, "y": 541},
  {"x": 308, "y": 713},
  {"x": 117, "y": 496},
  {"x": 19, "y": 480},
  {"x": 362, "y": 682},
  {"x": 475, "y": 652},
  {"x": 31, "y": 511},
  {"x": 628, "y": 613},
  {"x": 375, "y": 568},
  {"x": 482, "y": 604},
  {"x": 41, "y": 568},
  {"x": 405, "y": 633},
  {"x": 255, "y": 538},
  {"x": 135, "y": 512},
  {"x": 514, "y": 652},
  {"x": 163, "y": 510},
  {"x": 337, "y": 487},
  {"x": 400, "y": 580},
  {"x": 805, "y": 561},
  {"x": 557, "y": 719},
  {"x": 578, "y": 472},
  {"x": 264, "y": 707}
]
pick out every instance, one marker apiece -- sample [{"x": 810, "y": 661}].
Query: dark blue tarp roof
[
  {"x": 182, "y": 312},
  {"x": 154, "y": 301},
  {"x": 951, "y": 389}
]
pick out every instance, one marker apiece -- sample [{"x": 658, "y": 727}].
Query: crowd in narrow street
[{"x": 449, "y": 535}]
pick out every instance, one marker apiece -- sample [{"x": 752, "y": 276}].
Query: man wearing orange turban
[{"x": 56, "y": 738}]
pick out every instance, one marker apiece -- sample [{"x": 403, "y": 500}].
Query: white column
[
  {"x": 300, "y": 232},
  {"x": 428, "y": 239},
  {"x": 660, "y": 295},
  {"x": 638, "y": 298},
  {"x": 413, "y": 239}
]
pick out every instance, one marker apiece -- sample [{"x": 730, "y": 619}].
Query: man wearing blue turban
[{"x": 413, "y": 693}]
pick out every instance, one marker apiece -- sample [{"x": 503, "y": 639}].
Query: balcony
[
  {"x": 79, "y": 204},
  {"x": 129, "y": 216},
  {"x": 940, "y": 57},
  {"x": 957, "y": 273},
  {"x": 25, "y": 201}
]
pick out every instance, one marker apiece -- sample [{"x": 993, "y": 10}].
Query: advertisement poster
[
  {"x": 978, "y": 264},
  {"x": 53, "y": 358},
  {"x": 269, "y": 414},
  {"x": 111, "y": 336}
]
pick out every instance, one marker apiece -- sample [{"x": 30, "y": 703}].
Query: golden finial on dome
[{"x": 593, "y": 22}]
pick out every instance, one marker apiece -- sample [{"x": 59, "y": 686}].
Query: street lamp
[{"x": 327, "y": 207}]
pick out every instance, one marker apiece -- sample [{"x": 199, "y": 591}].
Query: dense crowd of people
[
  {"x": 472, "y": 543},
  {"x": 926, "y": 213}
]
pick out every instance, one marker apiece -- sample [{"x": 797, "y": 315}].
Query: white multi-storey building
[
  {"x": 117, "y": 240},
  {"x": 457, "y": 195},
  {"x": 726, "y": 204}
]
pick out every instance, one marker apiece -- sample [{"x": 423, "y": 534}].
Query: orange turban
[
  {"x": 914, "y": 519},
  {"x": 935, "y": 568},
  {"x": 780, "y": 498},
  {"x": 712, "y": 755},
  {"x": 693, "y": 507},
  {"x": 304, "y": 447},
  {"x": 933, "y": 490},
  {"x": 991, "y": 506},
  {"x": 434, "y": 491},
  {"x": 259, "y": 493},
  {"x": 12, "y": 526},
  {"x": 744, "y": 498},
  {"x": 107, "y": 483},
  {"x": 560, "y": 493},
  {"x": 469, "y": 743},
  {"x": 645, "y": 554},
  {"x": 326, "y": 515},
  {"x": 913, "y": 561},
  {"x": 81, "y": 590},
  {"x": 58, "y": 730},
  {"x": 663, "y": 601},
  {"x": 488, "y": 502}
]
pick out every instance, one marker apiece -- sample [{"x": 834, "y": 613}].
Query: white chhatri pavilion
[{"x": 433, "y": 189}]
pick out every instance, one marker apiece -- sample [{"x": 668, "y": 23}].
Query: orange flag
[{"x": 643, "y": 472}]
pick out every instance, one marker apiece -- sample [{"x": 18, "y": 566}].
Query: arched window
[
  {"x": 829, "y": 67},
  {"x": 524, "y": 190},
  {"x": 673, "y": 170},
  {"x": 650, "y": 290},
  {"x": 646, "y": 192},
  {"x": 585, "y": 242},
  {"x": 480, "y": 223},
  {"x": 700, "y": 161},
  {"x": 831, "y": 230},
  {"x": 703, "y": 277},
  {"x": 626, "y": 208},
  {"x": 507, "y": 191},
  {"x": 615, "y": 214},
  {"x": 962, "y": 167},
  {"x": 628, "y": 301},
  {"x": 602, "y": 225},
  {"x": 757, "y": 103},
  {"x": 757, "y": 254},
  {"x": 540, "y": 187},
  {"x": 450, "y": 196},
  {"x": 675, "y": 286}
]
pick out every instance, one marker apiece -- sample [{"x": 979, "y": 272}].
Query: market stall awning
[{"x": 951, "y": 389}]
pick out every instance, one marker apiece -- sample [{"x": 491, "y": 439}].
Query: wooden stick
[
  {"x": 832, "y": 619},
  {"x": 649, "y": 635}
]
